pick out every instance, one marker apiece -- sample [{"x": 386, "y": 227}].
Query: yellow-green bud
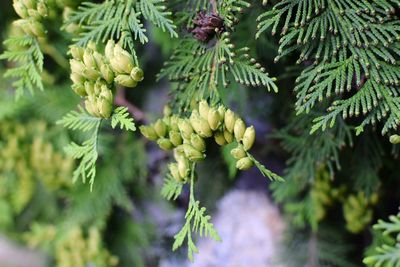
[
  {"x": 229, "y": 120},
  {"x": 185, "y": 128},
  {"x": 76, "y": 78},
  {"x": 109, "y": 49},
  {"x": 238, "y": 152},
  {"x": 204, "y": 109},
  {"x": 42, "y": 8},
  {"x": 173, "y": 169},
  {"x": 91, "y": 108},
  {"x": 191, "y": 153},
  {"x": 174, "y": 123},
  {"x": 77, "y": 52},
  {"x": 125, "y": 80},
  {"x": 20, "y": 9},
  {"x": 122, "y": 61},
  {"x": 30, "y": 4},
  {"x": 160, "y": 128},
  {"x": 394, "y": 139},
  {"x": 137, "y": 74},
  {"x": 107, "y": 94},
  {"x": 244, "y": 163},
  {"x": 228, "y": 137},
  {"x": 167, "y": 111},
  {"x": 89, "y": 88},
  {"x": 34, "y": 14},
  {"x": 214, "y": 119},
  {"x": 148, "y": 132},
  {"x": 76, "y": 66},
  {"x": 91, "y": 46},
  {"x": 248, "y": 137},
  {"x": 104, "y": 107},
  {"x": 79, "y": 89},
  {"x": 175, "y": 138},
  {"x": 239, "y": 129},
  {"x": 91, "y": 74},
  {"x": 37, "y": 28},
  {"x": 219, "y": 138},
  {"x": 88, "y": 59},
  {"x": 183, "y": 167},
  {"x": 165, "y": 144},
  {"x": 107, "y": 73},
  {"x": 221, "y": 110},
  {"x": 98, "y": 58},
  {"x": 201, "y": 127},
  {"x": 198, "y": 142}
]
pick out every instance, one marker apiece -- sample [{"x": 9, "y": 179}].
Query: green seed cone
[
  {"x": 88, "y": 59},
  {"x": 394, "y": 139},
  {"x": 137, "y": 74},
  {"x": 148, "y": 132},
  {"x": 185, "y": 128},
  {"x": 77, "y": 52},
  {"x": 214, "y": 119},
  {"x": 20, "y": 9},
  {"x": 244, "y": 164},
  {"x": 161, "y": 128},
  {"x": 238, "y": 152},
  {"x": 219, "y": 138},
  {"x": 198, "y": 142},
  {"x": 229, "y": 120},
  {"x": 165, "y": 144},
  {"x": 175, "y": 138},
  {"x": 249, "y": 137},
  {"x": 79, "y": 89},
  {"x": 183, "y": 167},
  {"x": 173, "y": 169},
  {"x": 239, "y": 129},
  {"x": 173, "y": 123},
  {"x": 104, "y": 107},
  {"x": 107, "y": 73},
  {"x": 191, "y": 153},
  {"x": 228, "y": 137},
  {"x": 109, "y": 50},
  {"x": 91, "y": 74},
  {"x": 125, "y": 80},
  {"x": 42, "y": 9},
  {"x": 204, "y": 109}
]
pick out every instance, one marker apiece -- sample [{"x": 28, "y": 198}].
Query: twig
[
  {"x": 214, "y": 6},
  {"x": 120, "y": 99}
]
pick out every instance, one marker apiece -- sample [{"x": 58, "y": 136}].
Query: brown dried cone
[{"x": 206, "y": 25}]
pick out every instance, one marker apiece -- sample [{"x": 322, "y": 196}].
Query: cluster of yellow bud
[
  {"x": 357, "y": 211},
  {"x": 186, "y": 136},
  {"x": 24, "y": 163},
  {"x": 31, "y": 12},
  {"x": 94, "y": 74},
  {"x": 80, "y": 251}
]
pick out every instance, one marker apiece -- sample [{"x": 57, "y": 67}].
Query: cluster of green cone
[
  {"x": 31, "y": 13},
  {"x": 94, "y": 75},
  {"x": 73, "y": 247},
  {"x": 358, "y": 210},
  {"x": 24, "y": 167},
  {"x": 186, "y": 136}
]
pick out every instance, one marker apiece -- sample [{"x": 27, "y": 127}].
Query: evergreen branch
[
  {"x": 196, "y": 222},
  {"x": 28, "y": 60},
  {"x": 171, "y": 188},
  {"x": 121, "y": 116},
  {"x": 154, "y": 11},
  {"x": 79, "y": 120},
  {"x": 88, "y": 154},
  {"x": 356, "y": 52},
  {"x": 388, "y": 253}
]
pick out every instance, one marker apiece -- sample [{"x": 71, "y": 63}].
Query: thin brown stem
[
  {"x": 137, "y": 113},
  {"x": 214, "y": 6}
]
